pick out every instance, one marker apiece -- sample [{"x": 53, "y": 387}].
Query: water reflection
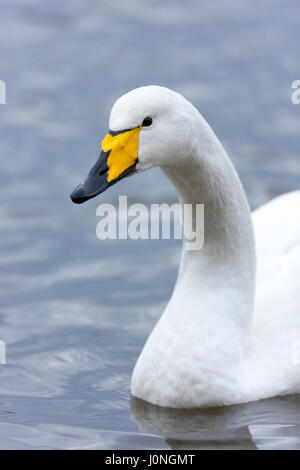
[{"x": 263, "y": 424}]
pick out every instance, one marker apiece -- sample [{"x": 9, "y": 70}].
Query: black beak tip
[{"x": 77, "y": 195}]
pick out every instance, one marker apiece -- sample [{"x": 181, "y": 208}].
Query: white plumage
[{"x": 224, "y": 337}]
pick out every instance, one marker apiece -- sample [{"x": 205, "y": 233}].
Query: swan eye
[{"x": 147, "y": 121}]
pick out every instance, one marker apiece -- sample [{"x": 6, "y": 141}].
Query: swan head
[{"x": 148, "y": 127}]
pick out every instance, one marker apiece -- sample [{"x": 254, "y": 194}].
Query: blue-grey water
[{"x": 75, "y": 311}]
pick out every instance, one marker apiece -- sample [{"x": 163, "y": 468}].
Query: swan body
[{"x": 229, "y": 332}]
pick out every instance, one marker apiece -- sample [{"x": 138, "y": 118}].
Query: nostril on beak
[{"x": 102, "y": 172}]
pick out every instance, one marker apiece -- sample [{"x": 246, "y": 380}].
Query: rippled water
[{"x": 75, "y": 311}]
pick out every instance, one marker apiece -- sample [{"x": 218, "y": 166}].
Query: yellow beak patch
[{"x": 123, "y": 151}]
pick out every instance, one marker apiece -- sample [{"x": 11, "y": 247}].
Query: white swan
[{"x": 208, "y": 349}]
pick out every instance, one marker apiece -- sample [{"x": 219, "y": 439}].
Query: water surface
[{"x": 75, "y": 312}]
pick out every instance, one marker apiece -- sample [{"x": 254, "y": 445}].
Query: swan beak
[{"x": 118, "y": 158}]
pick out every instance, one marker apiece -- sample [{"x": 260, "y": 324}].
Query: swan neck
[{"x": 220, "y": 277}]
